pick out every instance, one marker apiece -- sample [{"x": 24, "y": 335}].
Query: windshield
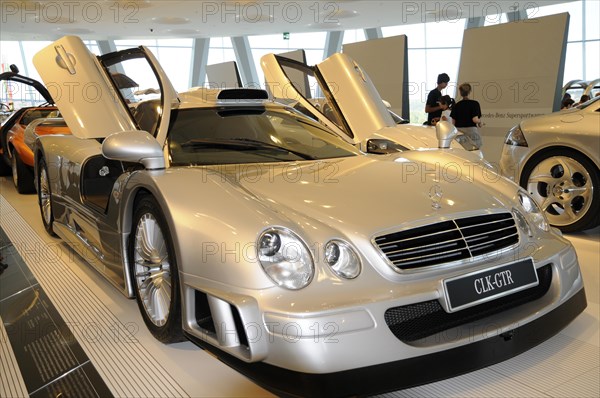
[{"x": 236, "y": 135}]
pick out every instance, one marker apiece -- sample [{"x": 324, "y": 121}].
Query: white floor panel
[
  {"x": 133, "y": 363},
  {"x": 584, "y": 386},
  {"x": 484, "y": 383},
  {"x": 551, "y": 364},
  {"x": 585, "y": 328}
]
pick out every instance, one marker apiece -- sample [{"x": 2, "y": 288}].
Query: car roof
[{"x": 199, "y": 97}]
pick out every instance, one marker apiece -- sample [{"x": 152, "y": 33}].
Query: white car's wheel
[
  {"x": 154, "y": 271},
  {"x": 566, "y": 186}
]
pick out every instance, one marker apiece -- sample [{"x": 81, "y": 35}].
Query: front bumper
[
  {"x": 323, "y": 352},
  {"x": 412, "y": 371}
]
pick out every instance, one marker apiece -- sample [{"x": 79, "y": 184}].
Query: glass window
[
  {"x": 30, "y": 48},
  {"x": 353, "y": 36},
  {"x": 267, "y": 44},
  {"x": 238, "y": 135},
  {"x": 445, "y": 33},
  {"x": 573, "y": 8},
  {"x": 592, "y": 58},
  {"x": 221, "y": 42},
  {"x": 419, "y": 87},
  {"x": 495, "y": 19},
  {"x": 176, "y": 62},
  {"x": 573, "y": 62},
  {"x": 415, "y": 34},
  {"x": 592, "y": 28},
  {"x": 10, "y": 53},
  {"x": 314, "y": 40},
  {"x": 174, "y": 55}
]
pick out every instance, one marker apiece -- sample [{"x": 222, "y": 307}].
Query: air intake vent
[{"x": 449, "y": 241}]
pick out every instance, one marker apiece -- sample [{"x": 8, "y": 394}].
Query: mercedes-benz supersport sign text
[{"x": 261, "y": 235}]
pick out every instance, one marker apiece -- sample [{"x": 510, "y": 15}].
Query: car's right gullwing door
[
  {"x": 96, "y": 94},
  {"x": 340, "y": 94}
]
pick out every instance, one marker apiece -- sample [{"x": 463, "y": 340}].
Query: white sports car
[{"x": 313, "y": 268}]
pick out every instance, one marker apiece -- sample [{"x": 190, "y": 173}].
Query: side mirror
[
  {"x": 445, "y": 133},
  {"x": 134, "y": 146}
]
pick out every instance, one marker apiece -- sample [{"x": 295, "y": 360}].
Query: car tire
[
  {"x": 154, "y": 271},
  {"x": 44, "y": 192},
  {"x": 5, "y": 165},
  {"x": 22, "y": 175},
  {"x": 566, "y": 185},
  {"x": 5, "y": 168}
]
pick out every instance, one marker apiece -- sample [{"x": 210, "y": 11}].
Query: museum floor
[{"x": 115, "y": 354}]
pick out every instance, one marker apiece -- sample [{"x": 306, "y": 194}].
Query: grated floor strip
[{"x": 125, "y": 365}]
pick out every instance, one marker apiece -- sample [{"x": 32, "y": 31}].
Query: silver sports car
[
  {"x": 338, "y": 93},
  {"x": 313, "y": 268},
  {"x": 556, "y": 158}
]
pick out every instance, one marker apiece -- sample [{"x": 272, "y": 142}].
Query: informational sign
[
  {"x": 516, "y": 71},
  {"x": 224, "y": 75},
  {"x": 386, "y": 63}
]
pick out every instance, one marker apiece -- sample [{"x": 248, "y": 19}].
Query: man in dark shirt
[
  {"x": 433, "y": 108},
  {"x": 466, "y": 115}
]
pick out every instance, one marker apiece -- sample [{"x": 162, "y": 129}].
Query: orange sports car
[{"x": 18, "y": 133}]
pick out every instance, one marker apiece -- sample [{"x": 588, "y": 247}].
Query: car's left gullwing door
[{"x": 97, "y": 94}]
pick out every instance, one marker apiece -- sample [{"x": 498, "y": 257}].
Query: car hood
[
  {"x": 371, "y": 195},
  {"x": 554, "y": 121},
  {"x": 412, "y": 136}
]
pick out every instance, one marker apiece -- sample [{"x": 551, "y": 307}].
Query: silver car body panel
[
  {"x": 216, "y": 213},
  {"x": 578, "y": 129}
]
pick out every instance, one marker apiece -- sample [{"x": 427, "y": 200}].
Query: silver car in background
[
  {"x": 314, "y": 269},
  {"x": 556, "y": 157}
]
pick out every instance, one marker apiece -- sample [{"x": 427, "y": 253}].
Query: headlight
[
  {"x": 532, "y": 213},
  {"x": 342, "y": 259},
  {"x": 285, "y": 258},
  {"x": 516, "y": 137}
]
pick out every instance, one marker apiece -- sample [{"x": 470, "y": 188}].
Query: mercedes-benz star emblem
[{"x": 435, "y": 194}]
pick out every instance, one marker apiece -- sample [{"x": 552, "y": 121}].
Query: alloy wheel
[
  {"x": 152, "y": 269},
  {"x": 563, "y": 188},
  {"x": 44, "y": 193}
]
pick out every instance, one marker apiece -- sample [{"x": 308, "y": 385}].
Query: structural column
[
  {"x": 245, "y": 62},
  {"x": 333, "y": 43},
  {"x": 199, "y": 61}
]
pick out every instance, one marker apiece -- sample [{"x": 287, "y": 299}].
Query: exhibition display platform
[{"x": 66, "y": 328}]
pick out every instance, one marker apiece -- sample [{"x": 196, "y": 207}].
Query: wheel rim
[
  {"x": 15, "y": 175},
  {"x": 44, "y": 192},
  {"x": 563, "y": 188},
  {"x": 152, "y": 269}
]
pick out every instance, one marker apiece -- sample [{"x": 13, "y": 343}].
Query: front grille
[
  {"x": 449, "y": 240},
  {"x": 417, "y": 321}
]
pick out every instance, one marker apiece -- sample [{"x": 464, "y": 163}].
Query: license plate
[{"x": 479, "y": 287}]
